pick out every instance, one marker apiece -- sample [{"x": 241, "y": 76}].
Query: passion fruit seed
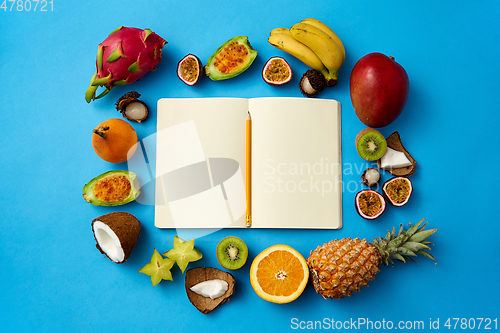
[
  {"x": 189, "y": 69},
  {"x": 369, "y": 204},
  {"x": 398, "y": 190},
  {"x": 277, "y": 71}
]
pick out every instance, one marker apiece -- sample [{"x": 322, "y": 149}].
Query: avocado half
[
  {"x": 231, "y": 59},
  {"x": 112, "y": 188}
]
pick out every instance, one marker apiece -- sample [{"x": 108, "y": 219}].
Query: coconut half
[
  {"x": 394, "y": 142},
  {"x": 116, "y": 235},
  {"x": 204, "y": 304}
]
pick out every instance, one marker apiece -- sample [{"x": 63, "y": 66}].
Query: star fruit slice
[
  {"x": 183, "y": 253},
  {"x": 158, "y": 268}
]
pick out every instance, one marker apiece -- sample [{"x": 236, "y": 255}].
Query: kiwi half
[
  {"x": 232, "y": 253},
  {"x": 371, "y": 144}
]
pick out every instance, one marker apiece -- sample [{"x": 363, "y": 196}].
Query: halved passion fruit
[
  {"x": 398, "y": 190},
  {"x": 277, "y": 71},
  {"x": 369, "y": 204},
  {"x": 112, "y": 188},
  {"x": 190, "y": 69},
  {"x": 230, "y": 59}
]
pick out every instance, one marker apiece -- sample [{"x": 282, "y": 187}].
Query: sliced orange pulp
[{"x": 279, "y": 274}]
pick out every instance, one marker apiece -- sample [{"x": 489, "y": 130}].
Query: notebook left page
[{"x": 200, "y": 163}]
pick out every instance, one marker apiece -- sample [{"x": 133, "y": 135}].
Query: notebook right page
[{"x": 296, "y": 163}]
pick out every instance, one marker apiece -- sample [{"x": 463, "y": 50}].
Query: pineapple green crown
[{"x": 406, "y": 244}]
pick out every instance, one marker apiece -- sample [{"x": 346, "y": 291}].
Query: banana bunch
[{"x": 313, "y": 43}]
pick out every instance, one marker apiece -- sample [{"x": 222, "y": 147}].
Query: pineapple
[{"x": 340, "y": 267}]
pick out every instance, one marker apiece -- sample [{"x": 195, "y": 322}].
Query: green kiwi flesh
[
  {"x": 371, "y": 144},
  {"x": 232, "y": 253}
]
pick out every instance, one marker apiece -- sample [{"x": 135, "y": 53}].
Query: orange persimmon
[{"x": 114, "y": 140}]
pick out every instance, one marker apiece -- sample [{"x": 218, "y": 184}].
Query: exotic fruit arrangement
[
  {"x": 123, "y": 58},
  {"x": 379, "y": 90},
  {"x": 340, "y": 267}
]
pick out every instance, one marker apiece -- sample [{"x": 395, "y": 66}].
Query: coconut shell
[
  {"x": 126, "y": 227},
  {"x": 205, "y": 304},
  {"x": 394, "y": 142}
]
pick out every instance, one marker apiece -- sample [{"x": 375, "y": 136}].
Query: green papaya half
[
  {"x": 230, "y": 59},
  {"x": 112, "y": 188}
]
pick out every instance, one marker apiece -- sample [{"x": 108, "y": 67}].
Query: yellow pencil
[{"x": 248, "y": 170}]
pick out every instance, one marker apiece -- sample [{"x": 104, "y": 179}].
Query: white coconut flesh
[
  {"x": 108, "y": 241},
  {"x": 211, "y": 288},
  {"x": 394, "y": 159},
  {"x": 135, "y": 110}
]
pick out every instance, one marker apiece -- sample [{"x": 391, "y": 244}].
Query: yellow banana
[
  {"x": 285, "y": 42},
  {"x": 323, "y": 45},
  {"x": 280, "y": 30},
  {"x": 328, "y": 31}
]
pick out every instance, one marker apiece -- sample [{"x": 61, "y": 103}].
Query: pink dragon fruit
[{"x": 124, "y": 57}]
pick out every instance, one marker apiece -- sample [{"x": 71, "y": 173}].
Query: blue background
[{"x": 53, "y": 278}]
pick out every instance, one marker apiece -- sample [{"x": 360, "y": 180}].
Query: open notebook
[{"x": 296, "y": 167}]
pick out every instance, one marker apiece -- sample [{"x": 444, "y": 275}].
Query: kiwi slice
[
  {"x": 232, "y": 253},
  {"x": 371, "y": 144}
]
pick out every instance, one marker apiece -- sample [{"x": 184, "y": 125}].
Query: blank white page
[{"x": 296, "y": 163}]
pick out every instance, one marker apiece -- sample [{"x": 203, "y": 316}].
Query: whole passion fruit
[
  {"x": 277, "y": 71},
  {"x": 398, "y": 190},
  {"x": 369, "y": 204},
  {"x": 190, "y": 69}
]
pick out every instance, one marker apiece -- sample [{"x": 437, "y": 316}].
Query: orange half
[{"x": 279, "y": 274}]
